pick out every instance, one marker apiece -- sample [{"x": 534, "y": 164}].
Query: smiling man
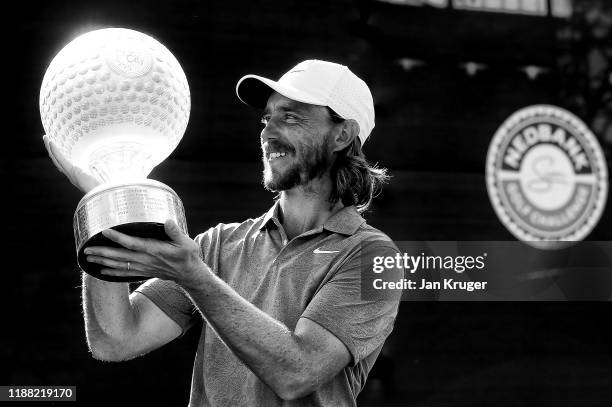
[{"x": 280, "y": 295}]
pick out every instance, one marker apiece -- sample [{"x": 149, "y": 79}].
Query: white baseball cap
[{"x": 317, "y": 83}]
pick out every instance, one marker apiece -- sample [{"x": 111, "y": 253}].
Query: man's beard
[{"x": 313, "y": 163}]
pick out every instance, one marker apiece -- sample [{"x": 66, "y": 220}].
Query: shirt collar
[
  {"x": 271, "y": 216},
  {"x": 346, "y": 221}
]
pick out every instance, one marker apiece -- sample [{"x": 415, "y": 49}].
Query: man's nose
[{"x": 269, "y": 132}]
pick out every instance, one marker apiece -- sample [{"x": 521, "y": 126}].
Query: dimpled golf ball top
[{"x": 116, "y": 102}]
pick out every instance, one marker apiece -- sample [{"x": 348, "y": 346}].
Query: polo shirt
[{"x": 316, "y": 275}]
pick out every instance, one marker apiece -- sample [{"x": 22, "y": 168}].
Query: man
[{"x": 285, "y": 323}]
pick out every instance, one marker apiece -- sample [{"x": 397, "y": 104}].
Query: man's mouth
[
  {"x": 274, "y": 156},
  {"x": 275, "y": 151}
]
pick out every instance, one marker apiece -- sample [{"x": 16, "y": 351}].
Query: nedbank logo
[{"x": 546, "y": 176}]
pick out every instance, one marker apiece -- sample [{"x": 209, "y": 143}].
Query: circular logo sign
[
  {"x": 546, "y": 176},
  {"x": 129, "y": 59}
]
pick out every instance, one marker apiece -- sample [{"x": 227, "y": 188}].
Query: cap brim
[{"x": 255, "y": 90}]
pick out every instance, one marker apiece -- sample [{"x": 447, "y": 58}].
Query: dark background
[{"x": 434, "y": 124}]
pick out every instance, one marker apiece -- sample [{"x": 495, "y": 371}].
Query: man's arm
[
  {"x": 120, "y": 326},
  {"x": 292, "y": 364}
]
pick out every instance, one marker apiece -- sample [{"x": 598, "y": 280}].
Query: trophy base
[
  {"x": 141, "y": 229},
  {"x": 138, "y": 209}
]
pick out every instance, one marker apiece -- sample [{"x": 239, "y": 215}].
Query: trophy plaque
[{"x": 116, "y": 103}]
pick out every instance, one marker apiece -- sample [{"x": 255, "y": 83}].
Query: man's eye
[
  {"x": 291, "y": 118},
  {"x": 265, "y": 119}
]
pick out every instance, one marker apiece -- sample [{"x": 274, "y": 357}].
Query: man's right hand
[{"x": 76, "y": 175}]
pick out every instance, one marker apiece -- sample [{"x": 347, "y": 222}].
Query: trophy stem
[{"x": 121, "y": 158}]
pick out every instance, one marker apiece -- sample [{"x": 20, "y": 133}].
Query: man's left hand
[{"x": 177, "y": 260}]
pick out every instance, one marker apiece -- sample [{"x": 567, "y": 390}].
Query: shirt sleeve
[
  {"x": 172, "y": 300},
  {"x": 361, "y": 324}
]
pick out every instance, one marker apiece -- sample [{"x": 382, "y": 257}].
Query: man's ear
[{"x": 346, "y": 134}]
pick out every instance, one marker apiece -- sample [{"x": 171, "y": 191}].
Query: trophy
[{"x": 116, "y": 103}]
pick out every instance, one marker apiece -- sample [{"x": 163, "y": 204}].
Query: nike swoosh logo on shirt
[{"x": 318, "y": 250}]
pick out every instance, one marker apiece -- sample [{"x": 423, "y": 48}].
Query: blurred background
[{"x": 444, "y": 75}]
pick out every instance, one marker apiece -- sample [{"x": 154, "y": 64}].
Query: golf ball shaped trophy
[{"x": 116, "y": 103}]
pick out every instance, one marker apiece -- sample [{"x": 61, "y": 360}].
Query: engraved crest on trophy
[{"x": 116, "y": 103}]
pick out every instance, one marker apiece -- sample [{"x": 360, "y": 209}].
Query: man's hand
[
  {"x": 76, "y": 175},
  {"x": 177, "y": 260}
]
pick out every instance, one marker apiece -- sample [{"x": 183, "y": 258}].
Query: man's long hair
[{"x": 355, "y": 181}]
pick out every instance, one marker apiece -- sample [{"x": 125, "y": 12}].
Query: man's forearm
[
  {"x": 264, "y": 344},
  {"x": 291, "y": 363},
  {"x": 107, "y": 313}
]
